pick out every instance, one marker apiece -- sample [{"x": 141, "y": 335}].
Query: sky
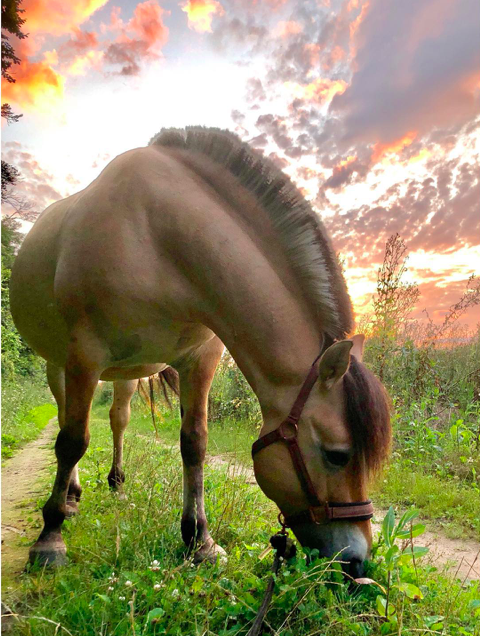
[{"x": 371, "y": 106}]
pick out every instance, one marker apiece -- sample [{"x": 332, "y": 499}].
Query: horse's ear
[
  {"x": 334, "y": 363},
  {"x": 358, "y": 344}
]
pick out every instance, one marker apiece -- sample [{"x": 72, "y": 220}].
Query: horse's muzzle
[{"x": 340, "y": 540}]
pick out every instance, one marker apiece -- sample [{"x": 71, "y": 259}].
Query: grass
[
  {"x": 129, "y": 574},
  {"x": 27, "y": 406}
]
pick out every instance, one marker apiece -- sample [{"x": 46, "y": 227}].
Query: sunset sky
[{"x": 372, "y": 106}]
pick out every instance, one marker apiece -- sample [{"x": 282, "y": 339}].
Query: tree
[
  {"x": 11, "y": 22},
  {"x": 394, "y": 300}
]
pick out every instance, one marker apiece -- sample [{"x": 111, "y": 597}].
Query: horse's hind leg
[
  {"x": 123, "y": 391},
  {"x": 195, "y": 384},
  {"x": 56, "y": 382},
  {"x": 71, "y": 444}
]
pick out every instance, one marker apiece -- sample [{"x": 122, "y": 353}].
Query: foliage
[
  {"x": 27, "y": 406},
  {"x": 17, "y": 356},
  {"x": 12, "y": 22},
  {"x": 129, "y": 573},
  {"x": 231, "y": 396}
]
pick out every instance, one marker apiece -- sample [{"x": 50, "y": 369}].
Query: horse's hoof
[
  {"x": 51, "y": 552},
  {"x": 211, "y": 552}
]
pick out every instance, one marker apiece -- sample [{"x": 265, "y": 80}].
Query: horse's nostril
[{"x": 355, "y": 568}]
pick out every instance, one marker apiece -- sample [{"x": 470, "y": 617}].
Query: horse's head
[{"x": 342, "y": 437}]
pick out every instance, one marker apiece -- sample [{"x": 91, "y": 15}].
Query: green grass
[
  {"x": 455, "y": 505},
  {"x": 129, "y": 574},
  {"x": 27, "y": 406}
]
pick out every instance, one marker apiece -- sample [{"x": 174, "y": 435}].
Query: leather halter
[{"x": 287, "y": 432}]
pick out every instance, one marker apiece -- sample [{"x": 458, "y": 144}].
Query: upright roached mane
[{"x": 300, "y": 230}]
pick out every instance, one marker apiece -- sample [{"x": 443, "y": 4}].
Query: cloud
[
  {"x": 200, "y": 14},
  {"x": 246, "y": 36},
  {"x": 440, "y": 214},
  {"x": 37, "y": 86},
  {"x": 139, "y": 40},
  {"x": 57, "y": 17},
  {"x": 36, "y": 185},
  {"x": 416, "y": 67}
]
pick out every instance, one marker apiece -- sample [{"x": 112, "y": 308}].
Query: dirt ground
[{"x": 23, "y": 481}]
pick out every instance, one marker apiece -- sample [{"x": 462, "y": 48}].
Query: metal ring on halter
[{"x": 284, "y": 437}]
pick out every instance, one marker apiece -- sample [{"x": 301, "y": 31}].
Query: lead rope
[{"x": 285, "y": 549}]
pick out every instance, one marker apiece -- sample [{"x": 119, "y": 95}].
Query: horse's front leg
[
  {"x": 123, "y": 391},
  {"x": 195, "y": 382},
  {"x": 56, "y": 382},
  {"x": 71, "y": 444}
]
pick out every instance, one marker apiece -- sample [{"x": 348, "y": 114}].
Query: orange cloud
[
  {"x": 201, "y": 12},
  {"x": 58, "y": 16},
  {"x": 38, "y": 86},
  {"x": 148, "y": 25},
  {"x": 395, "y": 147},
  {"x": 284, "y": 29},
  {"x": 346, "y": 162},
  {"x": 319, "y": 91},
  {"x": 82, "y": 63},
  {"x": 140, "y": 39}
]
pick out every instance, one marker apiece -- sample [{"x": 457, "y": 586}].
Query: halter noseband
[{"x": 287, "y": 432}]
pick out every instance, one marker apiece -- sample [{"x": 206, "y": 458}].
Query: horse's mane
[
  {"x": 300, "y": 230},
  {"x": 368, "y": 415}
]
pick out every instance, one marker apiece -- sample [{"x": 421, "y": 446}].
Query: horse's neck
[{"x": 271, "y": 336}]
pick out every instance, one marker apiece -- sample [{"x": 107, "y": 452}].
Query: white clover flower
[
  {"x": 110, "y": 589},
  {"x": 175, "y": 592},
  {"x": 132, "y": 505},
  {"x": 154, "y": 568},
  {"x": 128, "y": 584},
  {"x": 157, "y": 586},
  {"x": 121, "y": 598},
  {"x": 155, "y": 562}
]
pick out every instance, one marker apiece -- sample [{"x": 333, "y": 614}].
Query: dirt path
[
  {"x": 23, "y": 479},
  {"x": 456, "y": 557}
]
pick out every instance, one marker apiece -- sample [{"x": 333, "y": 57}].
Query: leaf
[
  {"x": 410, "y": 590},
  {"x": 407, "y": 516},
  {"x": 155, "y": 614},
  {"x": 104, "y": 598},
  {"x": 430, "y": 621},
  {"x": 415, "y": 531},
  {"x": 381, "y": 605},
  {"x": 388, "y": 525},
  {"x": 418, "y": 551}
]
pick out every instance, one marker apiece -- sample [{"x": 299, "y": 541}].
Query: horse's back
[{"x": 97, "y": 258}]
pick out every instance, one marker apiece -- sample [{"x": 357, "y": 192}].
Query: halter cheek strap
[{"x": 287, "y": 432}]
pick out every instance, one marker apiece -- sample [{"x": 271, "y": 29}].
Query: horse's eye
[{"x": 337, "y": 458}]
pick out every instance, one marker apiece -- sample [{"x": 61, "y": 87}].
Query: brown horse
[
  {"x": 119, "y": 414},
  {"x": 194, "y": 241}
]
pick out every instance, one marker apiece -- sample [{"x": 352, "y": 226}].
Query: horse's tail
[
  {"x": 166, "y": 379},
  {"x": 169, "y": 378}
]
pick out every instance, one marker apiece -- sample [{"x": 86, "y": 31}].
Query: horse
[
  {"x": 119, "y": 416},
  {"x": 177, "y": 249}
]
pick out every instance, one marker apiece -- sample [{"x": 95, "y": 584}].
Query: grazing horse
[
  {"x": 194, "y": 241},
  {"x": 119, "y": 415}
]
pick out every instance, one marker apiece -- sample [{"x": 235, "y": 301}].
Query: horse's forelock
[{"x": 368, "y": 415}]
